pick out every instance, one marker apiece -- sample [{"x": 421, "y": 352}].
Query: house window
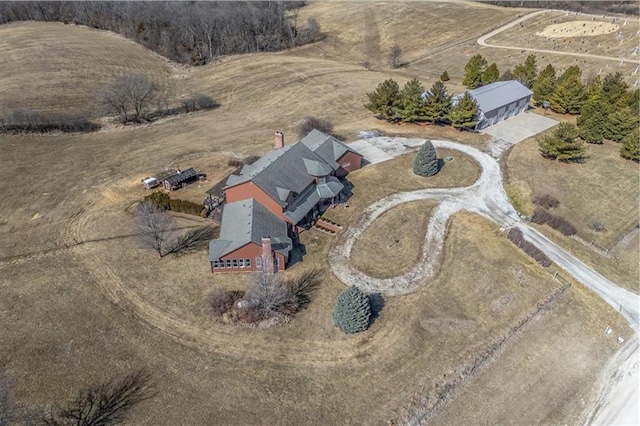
[
  {"x": 234, "y": 263},
  {"x": 247, "y": 263},
  {"x": 216, "y": 264},
  {"x": 258, "y": 262},
  {"x": 228, "y": 263},
  {"x": 277, "y": 263},
  {"x": 241, "y": 263}
]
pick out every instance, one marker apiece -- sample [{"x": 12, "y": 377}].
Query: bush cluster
[
  {"x": 542, "y": 216},
  {"x": 309, "y": 123},
  {"x": 162, "y": 200},
  {"x": 268, "y": 297},
  {"x": 516, "y": 237},
  {"x": 546, "y": 201},
  {"x": 25, "y": 120},
  {"x": 198, "y": 102}
]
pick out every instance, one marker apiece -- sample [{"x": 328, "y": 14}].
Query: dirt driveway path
[
  {"x": 618, "y": 400},
  {"x": 482, "y": 41}
]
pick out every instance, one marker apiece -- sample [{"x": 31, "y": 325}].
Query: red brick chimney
[
  {"x": 279, "y": 141},
  {"x": 268, "y": 265}
]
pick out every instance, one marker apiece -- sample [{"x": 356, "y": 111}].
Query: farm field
[{"x": 81, "y": 302}]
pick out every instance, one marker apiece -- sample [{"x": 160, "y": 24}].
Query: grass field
[
  {"x": 606, "y": 183},
  {"x": 57, "y": 68},
  {"x": 80, "y": 301}
]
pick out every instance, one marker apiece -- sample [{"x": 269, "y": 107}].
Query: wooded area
[
  {"x": 619, "y": 6},
  {"x": 188, "y": 32}
]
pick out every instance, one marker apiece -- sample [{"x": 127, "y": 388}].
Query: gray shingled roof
[
  {"x": 283, "y": 168},
  {"x": 326, "y": 146},
  {"x": 498, "y": 94},
  {"x": 248, "y": 221}
]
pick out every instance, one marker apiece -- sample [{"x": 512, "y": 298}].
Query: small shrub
[
  {"x": 546, "y": 201},
  {"x": 596, "y": 225},
  {"x": 221, "y": 301},
  {"x": 516, "y": 237},
  {"x": 234, "y": 162},
  {"x": 160, "y": 199},
  {"x": 352, "y": 311},
  {"x": 309, "y": 123},
  {"x": 541, "y": 216},
  {"x": 198, "y": 102},
  {"x": 426, "y": 163},
  {"x": 249, "y": 315},
  {"x": 444, "y": 76}
]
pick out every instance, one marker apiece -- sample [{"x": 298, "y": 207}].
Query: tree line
[
  {"x": 601, "y": 6},
  {"x": 187, "y": 32},
  {"x": 412, "y": 104}
]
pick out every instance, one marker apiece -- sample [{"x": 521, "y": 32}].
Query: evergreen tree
[
  {"x": 593, "y": 120},
  {"x": 437, "y": 104},
  {"x": 630, "y": 148},
  {"x": 633, "y": 100},
  {"x": 385, "y": 101},
  {"x": 621, "y": 122},
  {"x": 526, "y": 73},
  {"x": 444, "y": 76},
  {"x": 464, "y": 113},
  {"x": 544, "y": 85},
  {"x": 614, "y": 88},
  {"x": 594, "y": 89},
  {"x": 352, "y": 311},
  {"x": 411, "y": 96},
  {"x": 426, "y": 162},
  {"x": 562, "y": 144},
  {"x": 491, "y": 74},
  {"x": 506, "y": 76},
  {"x": 570, "y": 93},
  {"x": 473, "y": 71}
]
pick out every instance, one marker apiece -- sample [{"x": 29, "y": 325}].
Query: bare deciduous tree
[
  {"x": 155, "y": 228},
  {"x": 309, "y": 123},
  {"x": 129, "y": 97},
  {"x": 394, "y": 56},
  {"x": 192, "y": 239},
  {"x": 270, "y": 293},
  {"x": 104, "y": 404}
]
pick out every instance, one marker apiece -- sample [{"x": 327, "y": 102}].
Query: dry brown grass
[
  {"x": 374, "y": 182},
  {"x": 81, "y": 302},
  {"x": 603, "y": 188},
  {"x": 603, "y": 44},
  {"x": 377, "y": 253},
  {"x": 57, "y": 68}
]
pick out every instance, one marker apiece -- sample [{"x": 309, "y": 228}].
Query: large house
[
  {"x": 499, "y": 101},
  {"x": 271, "y": 200}
]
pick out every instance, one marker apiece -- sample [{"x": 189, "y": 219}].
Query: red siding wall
[
  {"x": 350, "y": 161},
  {"x": 248, "y": 190},
  {"x": 249, "y": 251}
]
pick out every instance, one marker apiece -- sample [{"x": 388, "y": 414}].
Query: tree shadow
[
  {"x": 296, "y": 254},
  {"x": 376, "y": 302}
]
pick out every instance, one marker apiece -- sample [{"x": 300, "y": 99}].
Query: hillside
[{"x": 57, "y": 68}]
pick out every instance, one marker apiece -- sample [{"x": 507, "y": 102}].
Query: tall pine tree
[
  {"x": 593, "y": 120},
  {"x": 385, "y": 101},
  {"x": 614, "y": 89},
  {"x": 594, "y": 89},
  {"x": 437, "y": 103},
  {"x": 544, "y": 85},
  {"x": 473, "y": 71},
  {"x": 411, "y": 96},
  {"x": 570, "y": 93},
  {"x": 491, "y": 74},
  {"x": 526, "y": 73},
  {"x": 630, "y": 148},
  {"x": 562, "y": 144},
  {"x": 621, "y": 122},
  {"x": 464, "y": 113}
]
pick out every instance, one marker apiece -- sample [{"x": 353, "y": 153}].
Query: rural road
[
  {"x": 618, "y": 400},
  {"x": 482, "y": 41}
]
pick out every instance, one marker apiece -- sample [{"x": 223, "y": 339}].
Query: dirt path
[
  {"x": 482, "y": 41},
  {"x": 617, "y": 402}
]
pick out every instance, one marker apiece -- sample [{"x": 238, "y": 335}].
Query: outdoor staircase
[{"x": 327, "y": 226}]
